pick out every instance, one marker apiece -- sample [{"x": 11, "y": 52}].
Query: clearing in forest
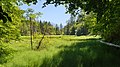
[{"x": 63, "y": 51}]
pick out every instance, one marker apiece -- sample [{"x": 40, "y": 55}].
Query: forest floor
[{"x": 62, "y": 51}]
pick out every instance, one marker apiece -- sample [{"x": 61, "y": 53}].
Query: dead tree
[
  {"x": 40, "y": 42},
  {"x": 31, "y": 31}
]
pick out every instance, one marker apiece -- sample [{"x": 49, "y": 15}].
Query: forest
[{"x": 90, "y": 38}]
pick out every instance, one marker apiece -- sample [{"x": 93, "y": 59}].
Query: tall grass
[{"x": 63, "y": 51}]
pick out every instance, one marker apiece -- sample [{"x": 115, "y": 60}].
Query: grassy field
[{"x": 62, "y": 51}]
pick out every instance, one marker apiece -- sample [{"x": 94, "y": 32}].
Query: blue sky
[{"x": 55, "y": 15}]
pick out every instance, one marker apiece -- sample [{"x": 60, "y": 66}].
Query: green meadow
[
  {"x": 59, "y": 33},
  {"x": 60, "y": 51}
]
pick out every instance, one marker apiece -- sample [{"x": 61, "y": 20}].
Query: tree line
[
  {"x": 106, "y": 12},
  {"x": 104, "y": 19}
]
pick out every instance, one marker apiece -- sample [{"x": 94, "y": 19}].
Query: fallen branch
[
  {"x": 40, "y": 42},
  {"x": 110, "y": 44}
]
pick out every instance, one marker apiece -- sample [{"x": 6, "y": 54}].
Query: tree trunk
[{"x": 31, "y": 33}]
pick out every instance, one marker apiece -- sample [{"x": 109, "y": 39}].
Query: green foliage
[
  {"x": 57, "y": 31},
  {"x": 5, "y": 53},
  {"x": 61, "y": 28},
  {"x": 67, "y": 29},
  {"x": 72, "y": 31},
  {"x": 107, "y": 14},
  {"x": 4, "y": 16},
  {"x": 60, "y": 51},
  {"x": 25, "y": 28},
  {"x": 106, "y": 18},
  {"x": 10, "y": 30},
  {"x": 31, "y": 24},
  {"x": 81, "y": 31}
]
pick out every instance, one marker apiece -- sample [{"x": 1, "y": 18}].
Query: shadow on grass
[{"x": 88, "y": 53}]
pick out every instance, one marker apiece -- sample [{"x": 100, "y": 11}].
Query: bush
[{"x": 5, "y": 53}]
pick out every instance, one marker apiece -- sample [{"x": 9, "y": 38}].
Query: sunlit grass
[
  {"x": 24, "y": 56},
  {"x": 63, "y": 51}
]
